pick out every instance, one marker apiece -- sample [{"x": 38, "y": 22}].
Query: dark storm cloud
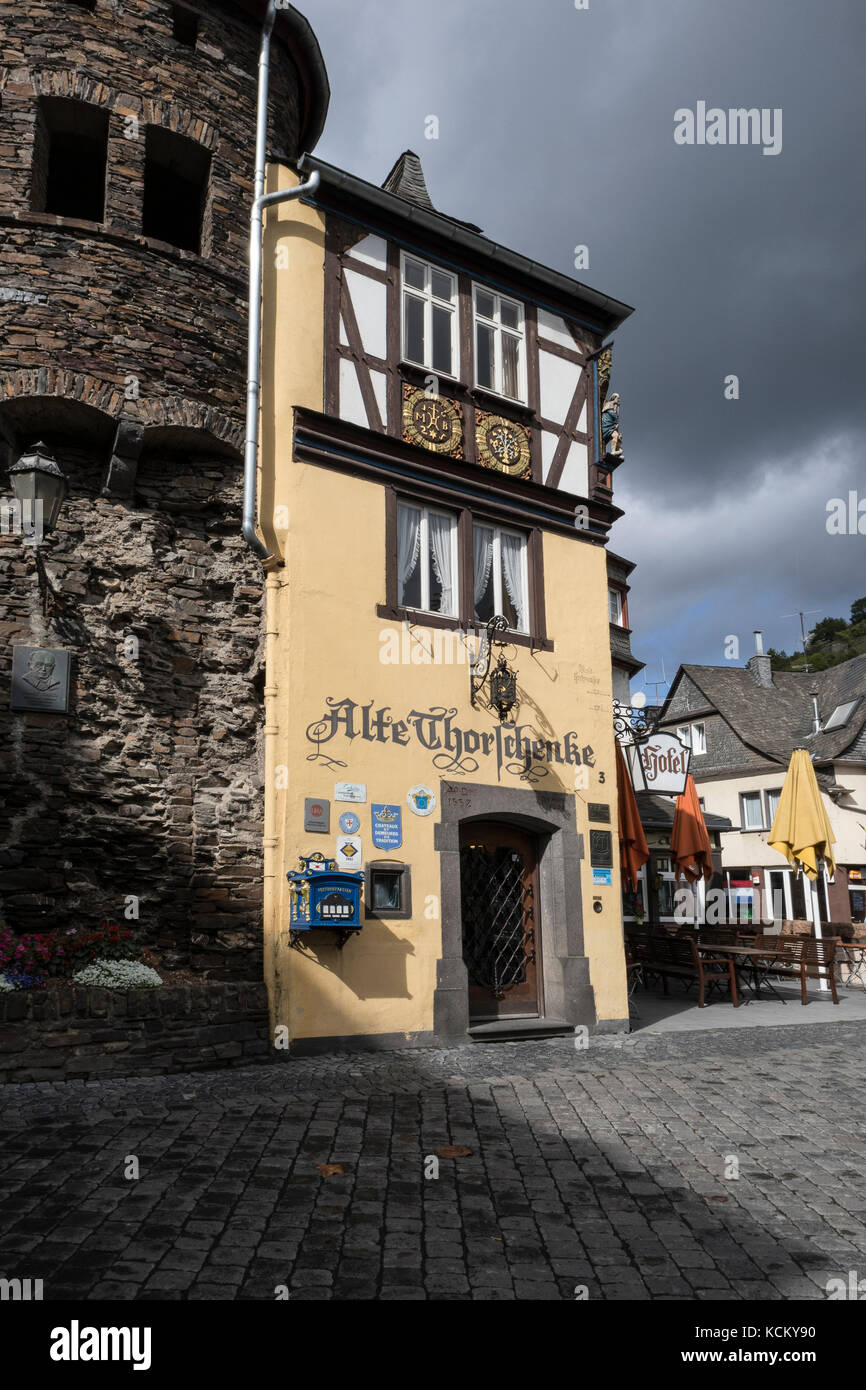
[{"x": 556, "y": 128}]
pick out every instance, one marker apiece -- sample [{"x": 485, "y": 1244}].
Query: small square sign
[
  {"x": 602, "y": 876},
  {"x": 349, "y": 852},
  {"x": 317, "y": 815},
  {"x": 350, "y": 791}
]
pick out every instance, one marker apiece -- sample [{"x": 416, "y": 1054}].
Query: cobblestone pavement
[{"x": 603, "y": 1168}]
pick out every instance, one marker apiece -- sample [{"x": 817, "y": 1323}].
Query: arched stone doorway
[{"x": 544, "y": 825}]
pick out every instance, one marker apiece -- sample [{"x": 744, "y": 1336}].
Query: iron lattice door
[{"x": 499, "y": 905}]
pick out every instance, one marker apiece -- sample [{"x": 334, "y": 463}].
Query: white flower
[
  {"x": 118, "y": 974},
  {"x": 5, "y": 985}
]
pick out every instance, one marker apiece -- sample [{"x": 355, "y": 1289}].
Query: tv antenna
[
  {"x": 799, "y": 614},
  {"x": 655, "y": 684}
]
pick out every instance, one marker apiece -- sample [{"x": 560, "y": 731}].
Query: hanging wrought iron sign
[{"x": 659, "y": 763}]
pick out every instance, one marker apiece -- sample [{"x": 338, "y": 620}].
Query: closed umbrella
[
  {"x": 801, "y": 829},
  {"x": 633, "y": 851},
  {"x": 691, "y": 851}
]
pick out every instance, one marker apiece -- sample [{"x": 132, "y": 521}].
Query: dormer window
[
  {"x": 500, "y": 353},
  {"x": 429, "y": 316}
]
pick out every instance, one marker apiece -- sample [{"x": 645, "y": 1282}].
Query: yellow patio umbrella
[{"x": 801, "y": 829}]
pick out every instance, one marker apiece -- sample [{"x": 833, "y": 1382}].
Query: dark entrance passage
[{"x": 500, "y": 907}]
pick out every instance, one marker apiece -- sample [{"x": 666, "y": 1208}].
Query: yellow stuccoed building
[{"x": 436, "y": 498}]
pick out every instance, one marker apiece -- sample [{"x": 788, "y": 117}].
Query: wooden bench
[
  {"x": 681, "y": 958},
  {"x": 799, "y": 957}
]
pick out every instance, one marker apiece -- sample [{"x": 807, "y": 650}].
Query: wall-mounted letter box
[{"x": 323, "y": 897}]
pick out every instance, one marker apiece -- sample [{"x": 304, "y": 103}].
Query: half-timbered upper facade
[{"x": 476, "y": 358}]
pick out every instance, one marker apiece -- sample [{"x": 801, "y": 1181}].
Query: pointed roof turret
[{"x": 406, "y": 179}]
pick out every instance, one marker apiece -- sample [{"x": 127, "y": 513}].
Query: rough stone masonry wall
[
  {"x": 74, "y": 1034},
  {"x": 150, "y": 787}
]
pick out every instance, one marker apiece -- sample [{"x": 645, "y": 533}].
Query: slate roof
[
  {"x": 658, "y": 811},
  {"x": 407, "y": 180},
  {"x": 776, "y": 720}
]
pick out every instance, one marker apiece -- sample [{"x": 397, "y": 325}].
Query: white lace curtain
[
  {"x": 440, "y": 529},
  {"x": 408, "y": 545},
  {"x": 512, "y": 571},
  {"x": 482, "y": 550}
]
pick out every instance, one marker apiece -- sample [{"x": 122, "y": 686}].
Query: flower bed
[{"x": 28, "y": 962}]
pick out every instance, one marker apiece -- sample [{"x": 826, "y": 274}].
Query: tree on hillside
[
  {"x": 858, "y": 610},
  {"x": 826, "y": 630}
]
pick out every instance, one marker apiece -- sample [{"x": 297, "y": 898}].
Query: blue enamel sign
[{"x": 387, "y": 825}]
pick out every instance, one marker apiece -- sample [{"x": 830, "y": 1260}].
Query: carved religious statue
[{"x": 610, "y": 431}]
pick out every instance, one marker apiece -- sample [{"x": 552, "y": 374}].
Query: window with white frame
[
  {"x": 427, "y": 559},
  {"x": 500, "y": 575},
  {"x": 751, "y": 811},
  {"x": 500, "y": 350},
  {"x": 694, "y": 736},
  {"x": 773, "y": 798},
  {"x": 429, "y": 316},
  {"x": 614, "y": 603}
]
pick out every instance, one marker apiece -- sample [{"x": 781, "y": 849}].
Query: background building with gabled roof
[{"x": 742, "y": 724}]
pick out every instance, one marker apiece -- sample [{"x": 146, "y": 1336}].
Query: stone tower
[{"x": 127, "y": 135}]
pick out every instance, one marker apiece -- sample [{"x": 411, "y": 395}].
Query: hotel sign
[{"x": 659, "y": 763}]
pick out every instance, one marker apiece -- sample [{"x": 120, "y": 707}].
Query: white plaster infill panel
[
  {"x": 380, "y": 385},
  {"x": 369, "y": 302},
  {"x": 575, "y": 474},
  {"x": 558, "y": 380},
  {"x": 549, "y": 442},
  {"x": 351, "y": 400},
  {"x": 555, "y": 329},
  {"x": 373, "y": 250}
]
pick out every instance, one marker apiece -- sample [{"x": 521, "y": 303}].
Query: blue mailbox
[{"x": 324, "y": 897}]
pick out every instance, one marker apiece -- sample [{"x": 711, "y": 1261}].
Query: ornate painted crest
[
  {"x": 432, "y": 421},
  {"x": 503, "y": 445}
]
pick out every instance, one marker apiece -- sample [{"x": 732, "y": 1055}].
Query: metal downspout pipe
[
  {"x": 261, "y": 200},
  {"x": 273, "y": 586}
]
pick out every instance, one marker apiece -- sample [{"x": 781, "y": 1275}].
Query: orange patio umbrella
[
  {"x": 633, "y": 851},
  {"x": 691, "y": 851}
]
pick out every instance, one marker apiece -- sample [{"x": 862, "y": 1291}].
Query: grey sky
[{"x": 556, "y": 129}]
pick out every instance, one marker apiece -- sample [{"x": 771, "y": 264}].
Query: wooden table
[{"x": 750, "y": 956}]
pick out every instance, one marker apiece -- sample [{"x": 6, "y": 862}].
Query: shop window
[
  {"x": 427, "y": 559},
  {"x": 500, "y": 357},
  {"x": 70, "y": 157},
  {"x": 500, "y": 576},
  {"x": 751, "y": 811},
  {"x": 429, "y": 316},
  {"x": 388, "y": 891},
  {"x": 176, "y": 178},
  {"x": 185, "y": 25}
]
